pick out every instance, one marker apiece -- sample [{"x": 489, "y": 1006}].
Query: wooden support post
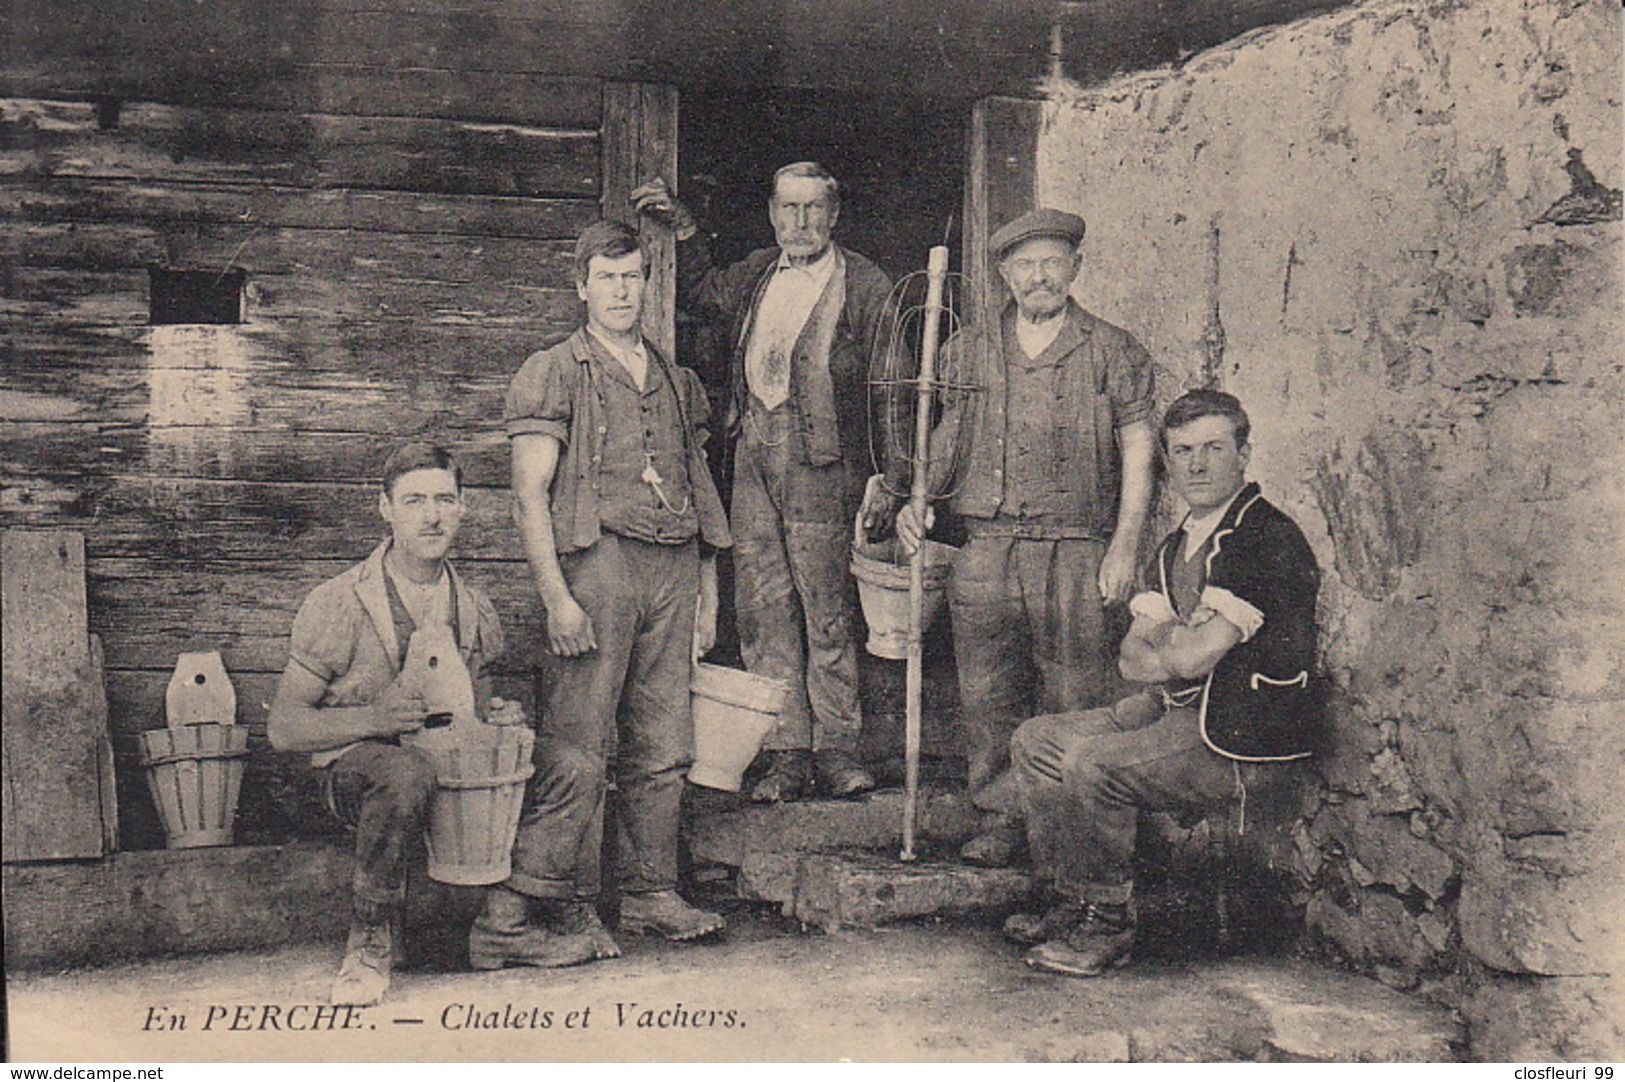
[
  {"x": 639, "y": 139},
  {"x": 1002, "y": 183}
]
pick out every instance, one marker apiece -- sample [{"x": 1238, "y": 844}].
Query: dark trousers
[
  {"x": 1029, "y": 632},
  {"x": 795, "y": 598},
  {"x": 385, "y": 791},
  {"x": 626, "y": 703},
  {"x": 1086, "y": 776}
]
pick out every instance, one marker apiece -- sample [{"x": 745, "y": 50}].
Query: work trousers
[
  {"x": 1086, "y": 776},
  {"x": 1029, "y": 631},
  {"x": 625, "y": 702},
  {"x": 794, "y": 596},
  {"x": 383, "y": 790}
]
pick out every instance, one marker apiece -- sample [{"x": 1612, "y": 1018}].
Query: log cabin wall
[{"x": 399, "y": 193}]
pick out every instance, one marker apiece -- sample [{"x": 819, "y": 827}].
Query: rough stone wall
[{"x": 1394, "y": 231}]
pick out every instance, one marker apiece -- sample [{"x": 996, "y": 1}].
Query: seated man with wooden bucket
[
  {"x": 1228, "y": 632},
  {"x": 343, "y": 699}
]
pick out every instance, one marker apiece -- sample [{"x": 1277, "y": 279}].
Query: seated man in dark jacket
[{"x": 1228, "y": 632}]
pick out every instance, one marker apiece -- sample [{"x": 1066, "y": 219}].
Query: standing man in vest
[
  {"x": 620, "y": 521},
  {"x": 342, "y": 700},
  {"x": 1054, "y": 490},
  {"x": 803, "y": 316},
  {"x": 1228, "y": 631}
]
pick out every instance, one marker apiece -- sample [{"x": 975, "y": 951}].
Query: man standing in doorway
[
  {"x": 620, "y": 521},
  {"x": 802, "y": 316},
  {"x": 1228, "y": 631},
  {"x": 1054, "y": 489}
]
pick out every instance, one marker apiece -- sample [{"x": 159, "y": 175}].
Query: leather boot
[
  {"x": 1031, "y": 929},
  {"x": 1002, "y": 841},
  {"x": 368, "y": 960},
  {"x": 840, "y": 775},
  {"x": 578, "y": 917},
  {"x": 663, "y": 912},
  {"x": 1100, "y": 940},
  {"x": 503, "y": 935},
  {"x": 788, "y": 777}
]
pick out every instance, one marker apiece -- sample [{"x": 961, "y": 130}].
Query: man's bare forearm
[
  {"x": 535, "y": 520},
  {"x": 1134, "y": 502}
]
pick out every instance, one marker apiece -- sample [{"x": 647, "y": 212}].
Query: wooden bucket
[
  {"x": 195, "y": 772},
  {"x": 733, "y": 713},
  {"x": 481, "y": 772},
  {"x": 883, "y": 591}
]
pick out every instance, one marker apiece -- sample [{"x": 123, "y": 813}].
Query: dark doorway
[{"x": 901, "y": 162}]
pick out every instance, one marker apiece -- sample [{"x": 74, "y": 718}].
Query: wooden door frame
[
  {"x": 1001, "y": 182},
  {"x": 639, "y": 142}
]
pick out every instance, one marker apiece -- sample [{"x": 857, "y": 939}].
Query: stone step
[
  {"x": 858, "y": 890},
  {"x": 728, "y": 830}
]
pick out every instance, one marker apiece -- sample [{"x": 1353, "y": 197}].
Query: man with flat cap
[{"x": 1053, "y": 486}]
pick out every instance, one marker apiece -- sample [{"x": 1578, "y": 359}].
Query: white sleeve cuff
[
  {"x": 1153, "y": 606},
  {"x": 1246, "y": 618}
]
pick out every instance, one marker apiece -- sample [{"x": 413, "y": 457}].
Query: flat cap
[{"x": 1043, "y": 222}]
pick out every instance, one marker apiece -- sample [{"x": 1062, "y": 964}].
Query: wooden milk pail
[
  {"x": 480, "y": 769},
  {"x": 883, "y": 591},
  {"x": 195, "y": 765},
  {"x": 481, "y": 772},
  {"x": 733, "y": 712}
]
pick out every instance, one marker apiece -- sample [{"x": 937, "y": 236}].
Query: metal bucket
[
  {"x": 733, "y": 713},
  {"x": 195, "y": 773},
  {"x": 883, "y": 591},
  {"x": 480, "y": 773}
]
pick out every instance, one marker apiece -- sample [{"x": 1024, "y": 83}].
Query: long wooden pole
[{"x": 919, "y": 496}]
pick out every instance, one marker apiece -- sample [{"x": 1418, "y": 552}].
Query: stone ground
[{"x": 927, "y": 990}]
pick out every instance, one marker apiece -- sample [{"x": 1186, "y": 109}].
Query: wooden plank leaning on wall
[{"x": 58, "y": 766}]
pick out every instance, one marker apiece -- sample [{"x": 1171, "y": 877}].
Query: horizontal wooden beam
[
  {"x": 220, "y": 520},
  {"x": 159, "y": 205},
  {"x": 68, "y": 318},
  {"x": 150, "y": 903},
  {"x": 158, "y": 903},
  {"x": 64, "y": 450},
  {"x": 383, "y": 259},
  {"x": 305, "y": 150},
  {"x": 200, "y": 407},
  {"x": 149, "y": 610},
  {"x": 341, "y": 88}
]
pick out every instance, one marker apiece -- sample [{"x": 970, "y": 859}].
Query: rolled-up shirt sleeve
[
  {"x": 1152, "y": 606},
  {"x": 324, "y": 635},
  {"x": 1247, "y": 618},
  {"x": 538, "y": 400},
  {"x": 1129, "y": 383}
]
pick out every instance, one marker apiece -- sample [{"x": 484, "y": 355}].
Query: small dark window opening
[
  {"x": 107, "y": 113},
  {"x": 196, "y": 296}
]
